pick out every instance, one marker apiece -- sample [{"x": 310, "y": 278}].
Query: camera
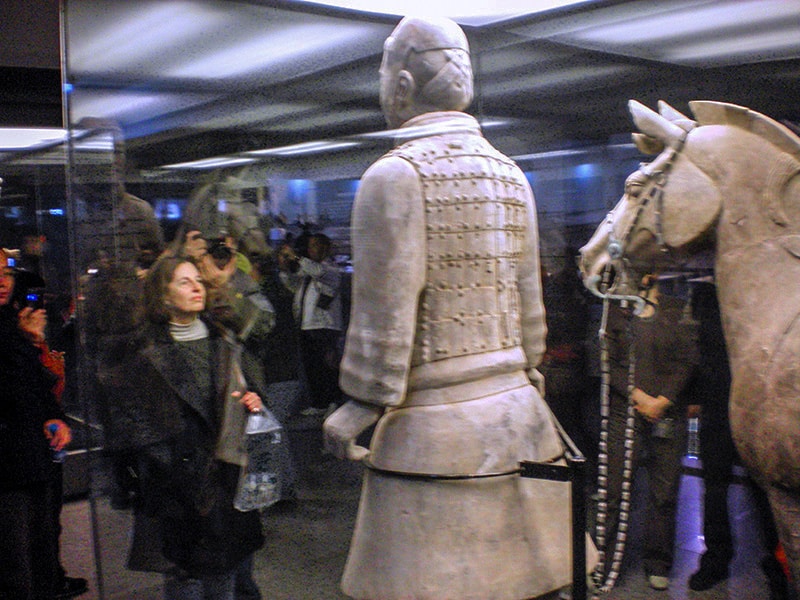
[
  {"x": 34, "y": 298},
  {"x": 219, "y": 250}
]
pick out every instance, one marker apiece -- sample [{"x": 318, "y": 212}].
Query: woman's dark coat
[{"x": 185, "y": 490}]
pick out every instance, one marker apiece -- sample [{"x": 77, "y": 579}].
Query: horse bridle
[{"x": 616, "y": 245}]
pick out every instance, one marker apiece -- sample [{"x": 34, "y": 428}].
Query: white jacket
[{"x": 324, "y": 281}]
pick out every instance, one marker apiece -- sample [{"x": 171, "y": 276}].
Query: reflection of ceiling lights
[
  {"x": 320, "y": 146},
  {"x": 435, "y": 129},
  {"x": 258, "y": 53},
  {"x": 473, "y": 12},
  {"x": 690, "y": 32},
  {"x": 16, "y": 139},
  {"x": 211, "y": 163},
  {"x": 305, "y": 148}
]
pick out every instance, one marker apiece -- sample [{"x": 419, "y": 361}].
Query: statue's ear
[
  {"x": 691, "y": 205},
  {"x": 404, "y": 91},
  {"x": 647, "y": 145}
]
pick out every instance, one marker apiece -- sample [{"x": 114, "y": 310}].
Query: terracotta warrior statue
[{"x": 447, "y": 328}]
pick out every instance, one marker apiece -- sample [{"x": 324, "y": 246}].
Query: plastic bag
[{"x": 259, "y": 483}]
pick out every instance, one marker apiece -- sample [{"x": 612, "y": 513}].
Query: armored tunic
[
  {"x": 447, "y": 318},
  {"x": 475, "y": 230}
]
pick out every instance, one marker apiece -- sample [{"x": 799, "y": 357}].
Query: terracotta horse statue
[{"x": 728, "y": 181}]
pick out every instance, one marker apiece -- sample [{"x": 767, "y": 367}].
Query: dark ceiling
[{"x": 195, "y": 79}]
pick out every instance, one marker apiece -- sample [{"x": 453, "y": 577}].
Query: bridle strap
[{"x": 617, "y": 245}]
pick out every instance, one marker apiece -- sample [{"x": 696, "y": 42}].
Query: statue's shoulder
[{"x": 390, "y": 167}]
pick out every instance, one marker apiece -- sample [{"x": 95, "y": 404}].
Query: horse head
[{"x": 667, "y": 208}]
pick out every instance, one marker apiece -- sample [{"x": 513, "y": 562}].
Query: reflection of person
[
  {"x": 710, "y": 388},
  {"x": 130, "y": 242},
  {"x": 280, "y": 354},
  {"x": 564, "y": 362},
  {"x": 189, "y": 431},
  {"x": 447, "y": 326},
  {"x": 29, "y": 497},
  {"x": 665, "y": 353},
  {"x": 317, "y": 308}
]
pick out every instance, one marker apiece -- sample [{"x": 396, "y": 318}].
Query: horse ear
[
  {"x": 676, "y": 117},
  {"x": 647, "y": 144},
  {"x": 651, "y": 123}
]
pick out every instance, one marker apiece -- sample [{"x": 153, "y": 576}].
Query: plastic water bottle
[
  {"x": 259, "y": 481},
  {"x": 58, "y": 455}
]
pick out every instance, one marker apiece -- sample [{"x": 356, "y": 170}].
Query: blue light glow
[{"x": 585, "y": 171}]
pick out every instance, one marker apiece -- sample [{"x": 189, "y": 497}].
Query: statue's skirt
[{"x": 482, "y": 538}]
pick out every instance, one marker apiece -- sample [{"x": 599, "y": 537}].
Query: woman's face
[{"x": 186, "y": 294}]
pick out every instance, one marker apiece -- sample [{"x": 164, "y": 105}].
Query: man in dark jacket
[{"x": 665, "y": 352}]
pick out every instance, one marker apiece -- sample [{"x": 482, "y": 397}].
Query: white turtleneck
[{"x": 196, "y": 330}]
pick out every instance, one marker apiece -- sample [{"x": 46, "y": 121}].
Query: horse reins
[
  {"x": 602, "y": 464},
  {"x": 616, "y": 251}
]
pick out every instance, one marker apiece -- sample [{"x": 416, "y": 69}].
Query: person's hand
[
  {"x": 33, "y": 323},
  {"x": 250, "y": 400},
  {"x": 650, "y": 407},
  {"x": 195, "y": 246},
  {"x": 214, "y": 276},
  {"x": 59, "y": 438},
  {"x": 343, "y": 427}
]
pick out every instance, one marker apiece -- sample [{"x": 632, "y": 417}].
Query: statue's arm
[
  {"x": 388, "y": 239},
  {"x": 389, "y": 246},
  {"x": 529, "y": 282}
]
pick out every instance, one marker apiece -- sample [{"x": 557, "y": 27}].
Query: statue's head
[{"x": 426, "y": 67}]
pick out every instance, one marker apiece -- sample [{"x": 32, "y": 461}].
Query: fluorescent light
[
  {"x": 131, "y": 105},
  {"x": 141, "y": 33},
  {"x": 753, "y": 47},
  {"x": 95, "y": 143},
  {"x": 257, "y": 53},
  {"x": 568, "y": 153},
  {"x": 305, "y": 148},
  {"x": 706, "y": 34},
  {"x": 465, "y": 11},
  {"x": 211, "y": 163},
  {"x": 17, "y": 138}
]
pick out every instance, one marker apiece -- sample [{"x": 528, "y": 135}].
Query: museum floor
[{"x": 307, "y": 545}]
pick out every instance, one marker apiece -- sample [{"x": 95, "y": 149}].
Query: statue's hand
[
  {"x": 537, "y": 380},
  {"x": 343, "y": 427}
]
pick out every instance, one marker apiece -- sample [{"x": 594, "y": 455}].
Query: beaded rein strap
[{"x": 605, "y": 586}]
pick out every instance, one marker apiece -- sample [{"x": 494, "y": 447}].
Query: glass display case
[{"x": 170, "y": 103}]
